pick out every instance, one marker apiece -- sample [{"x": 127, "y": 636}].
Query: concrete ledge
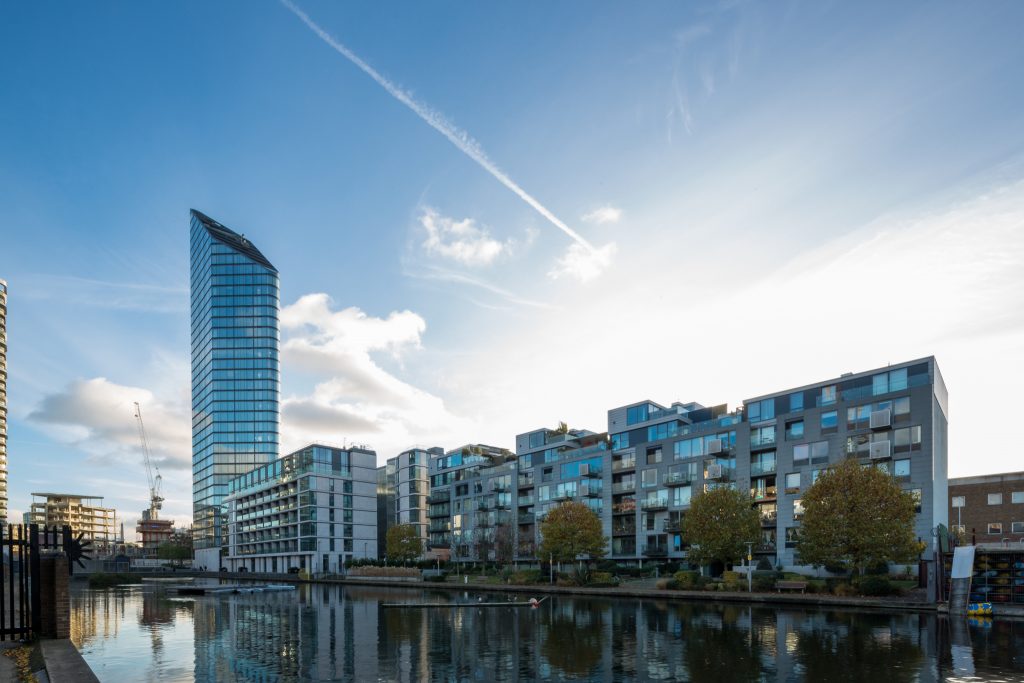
[{"x": 64, "y": 663}]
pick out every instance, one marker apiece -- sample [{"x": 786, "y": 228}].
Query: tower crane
[{"x": 155, "y": 500}]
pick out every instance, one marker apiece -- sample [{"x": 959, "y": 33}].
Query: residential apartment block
[
  {"x": 313, "y": 509},
  {"x": 406, "y": 485},
  {"x": 642, "y": 473},
  {"x": 988, "y": 508},
  {"x": 85, "y": 514}
]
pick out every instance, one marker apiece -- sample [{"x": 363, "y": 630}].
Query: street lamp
[{"x": 750, "y": 574}]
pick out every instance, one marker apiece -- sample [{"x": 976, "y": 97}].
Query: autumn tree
[
  {"x": 570, "y": 530},
  {"x": 719, "y": 525},
  {"x": 403, "y": 543},
  {"x": 504, "y": 543},
  {"x": 856, "y": 517}
]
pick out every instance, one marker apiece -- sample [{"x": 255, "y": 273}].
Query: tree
[
  {"x": 504, "y": 543},
  {"x": 403, "y": 543},
  {"x": 857, "y": 516},
  {"x": 719, "y": 525},
  {"x": 570, "y": 530},
  {"x": 174, "y": 551}
]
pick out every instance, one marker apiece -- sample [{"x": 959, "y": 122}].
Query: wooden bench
[{"x": 790, "y": 586}]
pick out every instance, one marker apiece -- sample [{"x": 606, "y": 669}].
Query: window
[
  {"x": 762, "y": 436},
  {"x": 688, "y": 448},
  {"x": 536, "y": 439},
  {"x": 894, "y": 380},
  {"x": 796, "y": 401},
  {"x": 1017, "y": 497},
  {"x": 907, "y": 439},
  {"x": 995, "y": 527},
  {"x": 828, "y": 395},
  {"x": 637, "y": 414},
  {"x": 858, "y": 417},
  {"x": 829, "y": 422},
  {"x": 761, "y": 410},
  {"x": 995, "y": 499},
  {"x": 959, "y": 501},
  {"x": 654, "y": 455},
  {"x": 814, "y": 475},
  {"x": 901, "y": 409},
  {"x": 665, "y": 430},
  {"x": 794, "y": 430},
  {"x": 649, "y": 478},
  {"x": 620, "y": 441},
  {"x": 916, "y": 493},
  {"x": 546, "y": 474},
  {"x": 681, "y": 496},
  {"x": 901, "y": 469},
  {"x": 792, "y": 536},
  {"x": 819, "y": 451},
  {"x": 798, "y": 509},
  {"x": 793, "y": 482},
  {"x": 1017, "y": 527},
  {"x": 801, "y": 452}
]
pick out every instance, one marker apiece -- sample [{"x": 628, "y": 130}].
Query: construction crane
[{"x": 155, "y": 500}]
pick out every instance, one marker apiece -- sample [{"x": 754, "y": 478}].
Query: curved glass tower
[
  {"x": 3, "y": 402},
  {"x": 235, "y": 372}
]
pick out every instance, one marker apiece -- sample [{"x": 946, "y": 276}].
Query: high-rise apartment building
[
  {"x": 235, "y": 372},
  {"x": 406, "y": 487},
  {"x": 3, "y": 401}
]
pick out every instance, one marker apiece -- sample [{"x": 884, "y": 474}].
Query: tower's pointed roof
[{"x": 231, "y": 238}]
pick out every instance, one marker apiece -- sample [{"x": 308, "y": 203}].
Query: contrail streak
[{"x": 458, "y": 137}]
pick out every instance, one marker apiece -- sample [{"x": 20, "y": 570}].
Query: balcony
[
  {"x": 672, "y": 526},
  {"x": 526, "y": 500},
  {"x": 623, "y": 530},
  {"x": 766, "y": 493},
  {"x": 769, "y": 518},
  {"x": 655, "y": 551},
  {"x": 759, "y": 469},
  {"x": 588, "y": 492},
  {"x": 624, "y": 487},
  {"x": 623, "y": 465},
  {"x": 764, "y": 441},
  {"x": 524, "y": 482},
  {"x": 654, "y": 505},
  {"x": 500, "y": 488},
  {"x": 526, "y": 518},
  {"x": 591, "y": 472},
  {"x": 765, "y": 548},
  {"x": 676, "y": 479},
  {"x": 563, "y": 496},
  {"x": 439, "y": 497},
  {"x": 627, "y": 508},
  {"x": 439, "y": 527},
  {"x": 438, "y": 513},
  {"x": 440, "y": 544}
]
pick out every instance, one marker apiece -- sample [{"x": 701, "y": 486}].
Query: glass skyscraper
[
  {"x": 235, "y": 372},
  {"x": 3, "y": 402}
]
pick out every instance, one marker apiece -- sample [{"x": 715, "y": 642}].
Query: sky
[{"x": 491, "y": 218}]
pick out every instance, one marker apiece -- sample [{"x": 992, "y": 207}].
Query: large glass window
[
  {"x": 762, "y": 436},
  {"x": 761, "y": 410},
  {"x": 801, "y": 453},
  {"x": 796, "y": 401},
  {"x": 1017, "y": 497},
  {"x": 681, "y": 496},
  {"x": 792, "y": 482},
  {"x": 794, "y": 430},
  {"x": 637, "y": 414},
  {"x": 819, "y": 451},
  {"x": 665, "y": 430},
  {"x": 620, "y": 440},
  {"x": 829, "y": 422},
  {"x": 654, "y": 455},
  {"x": 649, "y": 478},
  {"x": 894, "y": 380},
  {"x": 828, "y": 395},
  {"x": 995, "y": 499},
  {"x": 901, "y": 468}
]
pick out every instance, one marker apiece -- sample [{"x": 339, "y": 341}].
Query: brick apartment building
[{"x": 988, "y": 508}]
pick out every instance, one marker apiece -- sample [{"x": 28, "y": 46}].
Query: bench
[{"x": 790, "y": 586}]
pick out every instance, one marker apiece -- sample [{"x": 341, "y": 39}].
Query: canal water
[{"x": 341, "y": 633}]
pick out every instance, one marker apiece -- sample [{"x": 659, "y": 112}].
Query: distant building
[
  {"x": 988, "y": 508},
  {"x": 235, "y": 373},
  {"x": 406, "y": 485},
  {"x": 386, "y": 514},
  {"x": 312, "y": 510},
  {"x": 84, "y": 514},
  {"x": 3, "y": 401},
  {"x": 153, "y": 532}
]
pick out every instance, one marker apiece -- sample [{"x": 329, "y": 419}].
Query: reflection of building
[
  {"x": 235, "y": 373},
  {"x": 988, "y": 508},
  {"x": 82, "y": 513},
  {"x": 312, "y": 510},
  {"x": 406, "y": 487},
  {"x": 3, "y": 401}
]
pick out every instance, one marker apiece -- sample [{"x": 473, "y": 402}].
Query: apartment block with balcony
[
  {"x": 313, "y": 509},
  {"x": 470, "y": 499},
  {"x": 406, "y": 487},
  {"x": 84, "y": 514},
  {"x": 554, "y": 466},
  {"x": 660, "y": 458}
]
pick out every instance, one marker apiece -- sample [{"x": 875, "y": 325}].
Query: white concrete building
[{"x": 312, "y": 510}]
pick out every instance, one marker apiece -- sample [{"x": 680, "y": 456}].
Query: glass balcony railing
[
  {"x": 676, "y": 478},
  {"x": 758, "y": 469},
  {"x": 620, "y": 465},
  {"x": 624, "y": 487},
  {"x": 655, "y": 550},
  {"x": 766, "y": 493}
]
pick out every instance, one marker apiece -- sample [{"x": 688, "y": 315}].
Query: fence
[{"x": 20, "y": 586}]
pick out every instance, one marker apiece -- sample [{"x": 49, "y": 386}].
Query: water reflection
[{"x": 334, "y": 633}]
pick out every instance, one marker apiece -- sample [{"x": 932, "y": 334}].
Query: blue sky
[{"x": 772, "y": 194}]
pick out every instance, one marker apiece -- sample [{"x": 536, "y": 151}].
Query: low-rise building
[
  {"x": 312, "y": 510},
  {"x": 988, "y": 508}
]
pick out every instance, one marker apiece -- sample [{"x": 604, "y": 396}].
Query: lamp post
[{"x": 750, "y": 573}]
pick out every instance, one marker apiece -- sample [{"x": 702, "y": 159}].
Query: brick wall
[
  {"x": 55, "y": 597},
  {"x": 977, "y": 514}
]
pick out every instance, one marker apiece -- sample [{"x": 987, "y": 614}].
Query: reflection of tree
[
  {"x": 572, "y": 641},
  {"x": 723, "y": 651},
  {"x": 868, "y": 649}
]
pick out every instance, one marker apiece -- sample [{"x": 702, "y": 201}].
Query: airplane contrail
[{"x": 458, "y": 137}]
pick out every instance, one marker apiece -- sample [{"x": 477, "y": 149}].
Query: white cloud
[
  {"x": 461, "y": 240},
  {"x": 584, "y": 263},
  {"x": 355, "y": 399},
  {"x": 98, "y": 416},
  {"x": 604, "y": 214}
]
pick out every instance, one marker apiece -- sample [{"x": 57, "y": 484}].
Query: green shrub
[
  {"x": 666, "y": 584},
  {"x": 687, "y": 580},
  {"x": 844, "y": 589},
  {"x": 580, "y": 575},
  {"x": 764, "y": 565},
  {"x": 526, "y": 577},
  {"x": 877, "y": 569},
  {"x": 874, "y": 585},
  {"x": 607, "y": 566},
  {"x": 764, "y": 582},
  {"x": 733, "y": 581},
  {"x": 632, "y": 572},
  {"x": 436, "y": 578},
  {"x": 603, "y": 580}
]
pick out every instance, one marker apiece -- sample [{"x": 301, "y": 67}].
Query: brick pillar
[{"x": 55, "y": 597}]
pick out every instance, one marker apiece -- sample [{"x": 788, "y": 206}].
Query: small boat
[{"x": 278, "y": 587}]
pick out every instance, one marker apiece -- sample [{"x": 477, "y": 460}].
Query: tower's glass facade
[
  {"x": 235, "y": 372},
  {"x": 3, "y": 402}
]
